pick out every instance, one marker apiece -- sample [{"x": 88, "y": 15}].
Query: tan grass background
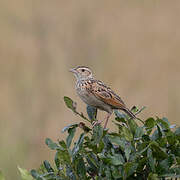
[{"x": 132, "y": 45}]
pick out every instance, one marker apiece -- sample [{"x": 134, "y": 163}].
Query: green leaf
[
  {"x": 137, "y": 111},
  {"x": 160, "y": 131},
  {"x": 92, "y": 161},
  {"x": 127, "y": 152},
  {"x": 78, "y": 144},
  {"x": 93, "y": 167},
  {"x": 170, "y": 176},
  {"x": 48, "y": 166},
  {"x": 69, "y": 126},
  {"x": 166, "y": 120},
  {"x": 119, "y": 114},
  {"x": 100, "y": 147},
  {"x": 62, "y": 145},
  {"x": 51, "y": 144},
  {"x": 71, "y": 174},
  {"x": 36, "y": 175},
  {"x": 158, "y": 152},
  {"x": 107, "y": 144},
  {"x": 118, "y": 119},
  {"x": 70, "y": 103},
  {"x": 150, "y": 123},
  {"x": 152, "y": 176},
  {"x": 139, "y": 132},
  {"x": 151, "y": 160},
  {"x": 167, "y": 163},
  {"x": 62, "y": 158},
  {"x": 116, "y": 172},
  {"x": 156, "y": 134},
  {"x": 42, "y": 170},
  {"x": 178, "y": 160},
  {"x": 146, "y": 138},
  {"x": 57, "y": 161},
  {"x": 3, "y": 178},
  {"x": 117, "y": 140},
  {"x": 142, "y": 147},
  {"x": 81, "y": 168},
  {"x": 126, "y": 133},
  {"x": 129, "y": 168},
  {"x": 97, "y": 134},
  {"x": 133, "y": 125},
  {"x": 141, "y": 164},
  {"x": 116, "y": 159},
  {"x": 71, "y": 132},
  {"x": 92, "y": 112},
  {"x": 162, "y": 122},
  {"x": 177, "y": 132},
  {"x": 163, "y": 142},
  {"x": 171, "y": 138},
  {"x": 107, "y": 173}
]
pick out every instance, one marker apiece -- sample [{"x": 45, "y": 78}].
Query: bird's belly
[{"x": 91, "y": 100}]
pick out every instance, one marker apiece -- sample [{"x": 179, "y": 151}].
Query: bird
[{"x": 95, "y": 93}]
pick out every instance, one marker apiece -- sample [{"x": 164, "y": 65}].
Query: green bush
[{"x": 147, "y": 151}]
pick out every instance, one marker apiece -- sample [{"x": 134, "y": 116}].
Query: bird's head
[{"x": 82, "y": 72}]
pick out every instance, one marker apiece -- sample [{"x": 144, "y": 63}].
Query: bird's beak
[{"x": 72, "y": 70}]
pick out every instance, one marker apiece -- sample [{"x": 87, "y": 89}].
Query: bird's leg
[
  {"x": 96, "y": 122},
  {"x": 107, "y": 118},
  {"x": 100, "y": 121}
]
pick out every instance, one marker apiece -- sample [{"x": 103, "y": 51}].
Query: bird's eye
[{"x": 83, "y": 70}]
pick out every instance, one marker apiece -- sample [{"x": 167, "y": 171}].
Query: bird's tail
[{"x": 132, "y": 115}]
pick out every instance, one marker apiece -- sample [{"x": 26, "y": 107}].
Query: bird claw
[{"x": 96, "y": 123}]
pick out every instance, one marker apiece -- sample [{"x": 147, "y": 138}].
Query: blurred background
[{"x": 133, "y": 46}]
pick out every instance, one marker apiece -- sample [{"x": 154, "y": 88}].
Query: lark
[{"x": 95, "y": 93}]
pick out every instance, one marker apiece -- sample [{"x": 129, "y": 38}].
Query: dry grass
[{"x": 131, "y": 45}]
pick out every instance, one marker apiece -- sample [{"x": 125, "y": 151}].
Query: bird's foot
[{"x": 96, "y": 123}]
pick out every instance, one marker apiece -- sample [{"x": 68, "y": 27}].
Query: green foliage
[
  {"x": 1, "y": 176},
  {"x": 148, "y": 151},
  {"x": 25, "y": 175}
]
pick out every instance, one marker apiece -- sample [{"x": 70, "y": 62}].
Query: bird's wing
[{"x": 105, "y": 94}]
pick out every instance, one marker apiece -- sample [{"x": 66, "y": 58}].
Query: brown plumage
[{"x": 95, "y": 93}]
